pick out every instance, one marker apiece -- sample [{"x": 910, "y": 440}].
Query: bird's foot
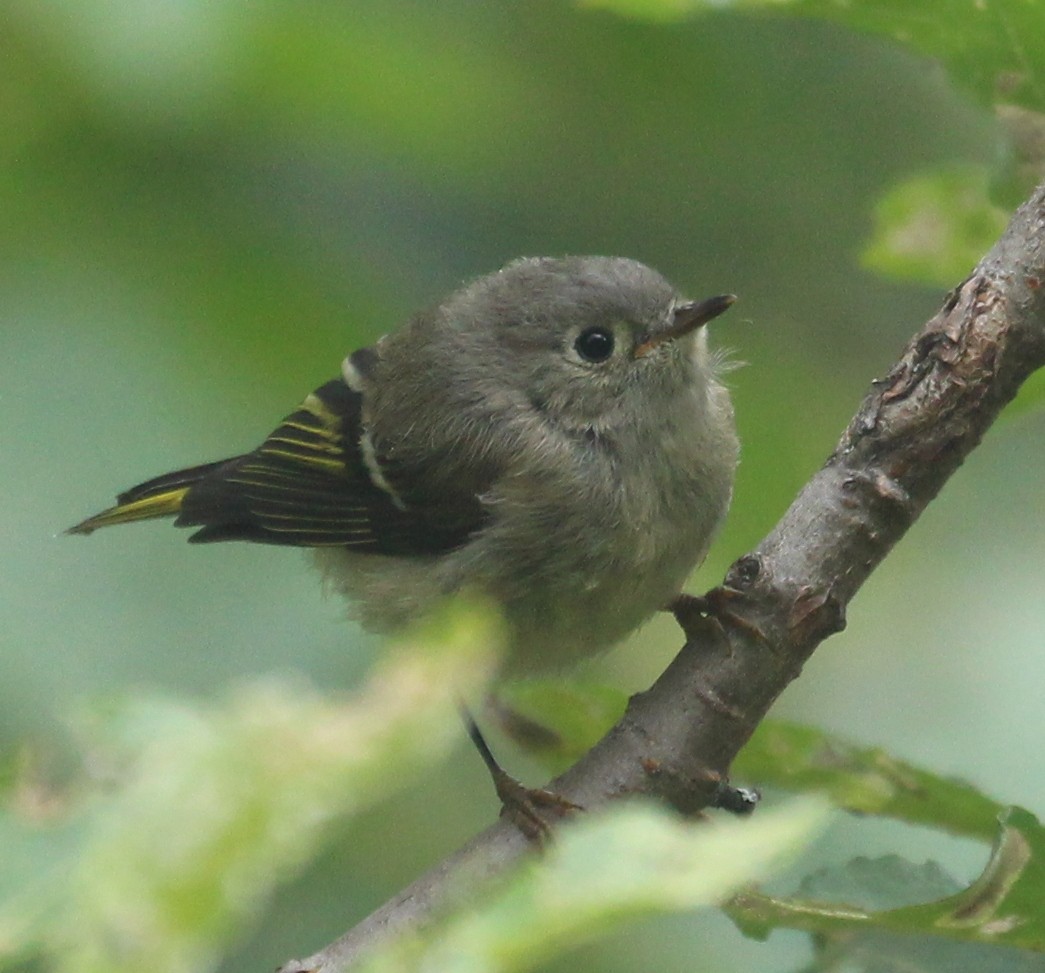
[
  {"x": 533, "y": 810},
  {"x": 695, "y": 613}
]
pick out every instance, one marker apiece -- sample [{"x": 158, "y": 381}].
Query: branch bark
[{"x": 913, "y": 430}]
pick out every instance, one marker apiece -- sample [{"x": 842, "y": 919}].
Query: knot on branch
[
  {"x": 924, "y": 413},
  {"x": 815, "y": 614},
  {"x": 688, "y": 790},
  {"x": 744, "y": 572},
  {"x": 955, "y": 356}
]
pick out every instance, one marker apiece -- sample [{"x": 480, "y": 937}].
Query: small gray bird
[{"x": 552, "y": 435}]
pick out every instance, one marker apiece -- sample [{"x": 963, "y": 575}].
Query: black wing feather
[{"x": 308, "y": 485}]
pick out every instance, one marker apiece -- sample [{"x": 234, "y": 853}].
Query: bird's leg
[
  {"x": 530, "y": 734},
  {"x": 532, "y": 810}
]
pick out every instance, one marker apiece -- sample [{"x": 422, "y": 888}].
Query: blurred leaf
[
  {"x": 990, "y": 48},
  {"x": 630, "y": 861},
  {"x": 866, "y": 780},
  {"x": 214, "y": 807},
  {"x": 934, "y": 227},
  {"x": 1002, "y": 906},
  {"x": 878, "y": 952},
  {"x": 663, "y": 10},
  {"x": 558, "y": 719},
  {"x": 38, "y": 858},
  {"x": 1026, "y": 131},
  {"x": 887, "y": 882}
]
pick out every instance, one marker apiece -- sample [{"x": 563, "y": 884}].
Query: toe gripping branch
[{"x": 534, "y": 811}]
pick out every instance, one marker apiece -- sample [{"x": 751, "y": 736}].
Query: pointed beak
[{"x": 686, "y": 318}]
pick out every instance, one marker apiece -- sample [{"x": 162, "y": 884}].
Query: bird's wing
[{"x": 316, "y": 482}]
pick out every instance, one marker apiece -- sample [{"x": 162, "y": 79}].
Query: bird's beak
[{"x": 686, "y": 318}]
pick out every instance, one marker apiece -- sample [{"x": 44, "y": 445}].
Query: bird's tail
[{"x": 159, "y": 497}]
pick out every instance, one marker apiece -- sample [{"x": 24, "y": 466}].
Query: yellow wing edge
[{"x": 161, "y": 505}]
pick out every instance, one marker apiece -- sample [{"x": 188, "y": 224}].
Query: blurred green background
[{"x": 203, "y": 207}]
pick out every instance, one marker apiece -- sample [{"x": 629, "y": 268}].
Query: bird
[{"x": 554, "y": 435}]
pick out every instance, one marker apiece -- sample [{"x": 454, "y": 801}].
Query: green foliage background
[{"x": 205, "y": 206}]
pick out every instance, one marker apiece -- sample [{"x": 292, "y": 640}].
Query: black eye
[{"x": 595, "y": 344}]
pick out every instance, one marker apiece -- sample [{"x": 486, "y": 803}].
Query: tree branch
[{"x": 913, "y": 430}]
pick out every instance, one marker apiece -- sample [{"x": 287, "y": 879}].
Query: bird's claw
[
  {"x": 533, "y": 810},
  {"x": 695, "y": 613}
]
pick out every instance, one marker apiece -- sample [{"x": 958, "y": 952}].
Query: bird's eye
[{"x": 594, "y": 344}]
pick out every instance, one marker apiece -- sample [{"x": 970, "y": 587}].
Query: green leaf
[
  {"x": 878, "y": 952},
  {"x": 558, "y": 719},
  {"x": 991, "y": 48},
  {"x": 1002, "y": 906},
  {"x": 934, "y": 227},
  {"x": 887, "y": 882},
  {"x": 867, "y": 780},
  {"x": 656, "y": 10},
  {"x": 631, "y": 861},
  {"x": 214, "y": 806},
  {"x": 38, "y": 857}
]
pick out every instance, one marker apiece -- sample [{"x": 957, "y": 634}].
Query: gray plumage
[
  {"x": 553, "y": 436},
  {"x": 603, "y": 483}
]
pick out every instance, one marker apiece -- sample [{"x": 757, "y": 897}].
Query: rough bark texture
[{"x": 912, "y": 431}]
